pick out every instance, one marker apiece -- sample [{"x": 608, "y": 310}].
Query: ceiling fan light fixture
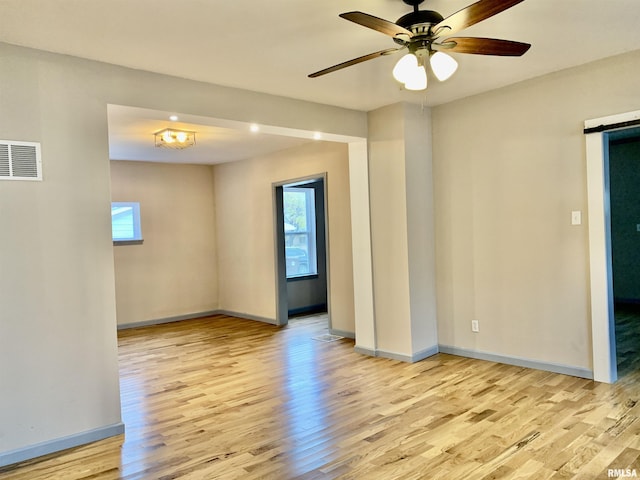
[
  {"x": 443, "y": 65},
  {"x": 420, "y": 32},
  {"x": 417, "y": 79},
  {"x": 404, "y": 67},
  {"x": 409, "y": 72}
]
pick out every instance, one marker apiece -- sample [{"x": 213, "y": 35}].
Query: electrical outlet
[{"x": 475, "y": 326}]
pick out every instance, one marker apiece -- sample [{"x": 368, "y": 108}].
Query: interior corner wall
[
  {"x": 509, "y": 168},
  {"x": 420, "y": 228},
  {"x": 245, "y": 229},
  {"x": 173, "y": 273}
]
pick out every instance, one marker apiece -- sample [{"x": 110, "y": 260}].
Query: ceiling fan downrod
[{"x": 413, "y": 3}]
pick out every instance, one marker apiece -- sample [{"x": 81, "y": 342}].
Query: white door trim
[{"x": 602, "y": 318}]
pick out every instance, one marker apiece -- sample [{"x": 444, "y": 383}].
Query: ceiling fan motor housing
[
  {"x": 412, "y": 20},
  {"x": 413, "y": 3},
  {"x": 420, "y": 23}
]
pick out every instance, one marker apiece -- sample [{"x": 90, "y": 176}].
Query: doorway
[
  {"x": 597, "y": 132},
  {"x": 624, "y": 224},
  {"x": 301, "y": 244}
]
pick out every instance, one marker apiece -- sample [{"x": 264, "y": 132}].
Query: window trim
[
  {"x": 304, "y": 276},
  {"x": 128, "y": 242}
]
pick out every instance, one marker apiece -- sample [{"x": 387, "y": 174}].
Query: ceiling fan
[{"x": 419, "y": 32}]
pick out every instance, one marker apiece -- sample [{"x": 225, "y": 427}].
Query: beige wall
[
  {"x": 58, "y": 352},
  {"x": 174, "y": 272},
  {"x": 389, "y": 229},
  {"x": 420, "y": 228},
  {"x": 245, "y": 226},
  {"x": 509, "y": 167}
]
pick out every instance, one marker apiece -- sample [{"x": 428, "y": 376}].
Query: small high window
[{"x": 125, "y": 223}]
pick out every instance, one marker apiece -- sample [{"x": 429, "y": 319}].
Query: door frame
[
  {"x": 282, "y": 302},
  {"x": 601, "y": 278}
]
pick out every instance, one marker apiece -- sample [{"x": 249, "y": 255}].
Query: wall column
[
  {"x": 361, "y": 249},
  {"x": 402, "y": 232}
]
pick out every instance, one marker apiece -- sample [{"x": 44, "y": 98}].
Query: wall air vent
[{"x": 20, "y": 161}]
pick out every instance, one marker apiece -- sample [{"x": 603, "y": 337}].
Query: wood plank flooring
[
  {"x": 627, "y": 322},
  {"x": 224, "y": 398}
]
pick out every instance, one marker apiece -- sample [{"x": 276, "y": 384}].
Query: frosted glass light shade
[
  {"x": 417, "y": 80},
  {"x": 443, "y": 65},
  {"x": 404, "y": 67},
  {"x": 409, "y": 72}
]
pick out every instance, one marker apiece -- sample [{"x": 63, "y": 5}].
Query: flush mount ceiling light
[
  {"x": 173, "y": 138},
  {"x": 419, "y": 32}
]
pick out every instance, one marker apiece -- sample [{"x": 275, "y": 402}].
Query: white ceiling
[
  {"x": 272, "y": 46},
  {"x": 131, "y": 137}
]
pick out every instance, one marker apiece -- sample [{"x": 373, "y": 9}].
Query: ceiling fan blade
[
  {"x": 378, "y": 24},
  {"x": 472, "y": 14},
  {"x": 484, "y": 46},
  {"x": 355, "y": 61}
]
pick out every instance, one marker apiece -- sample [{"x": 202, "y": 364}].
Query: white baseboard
[{"x": 59, "y": 444}]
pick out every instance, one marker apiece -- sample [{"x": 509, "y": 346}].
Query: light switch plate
[{"x": 576, "y": 217}]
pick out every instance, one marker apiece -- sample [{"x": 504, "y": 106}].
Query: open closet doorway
[
  {"x": 598, "y": 132},
  {"x": 301, "y": 248},
  {"x": 624, "y": 222}
]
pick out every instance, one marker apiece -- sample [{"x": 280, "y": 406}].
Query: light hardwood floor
[
  {"x": 627, "y": 320},
  {"x": 224, "y": 398}
]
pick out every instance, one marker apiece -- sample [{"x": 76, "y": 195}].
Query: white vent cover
[{"x": 20, "y": 161}]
